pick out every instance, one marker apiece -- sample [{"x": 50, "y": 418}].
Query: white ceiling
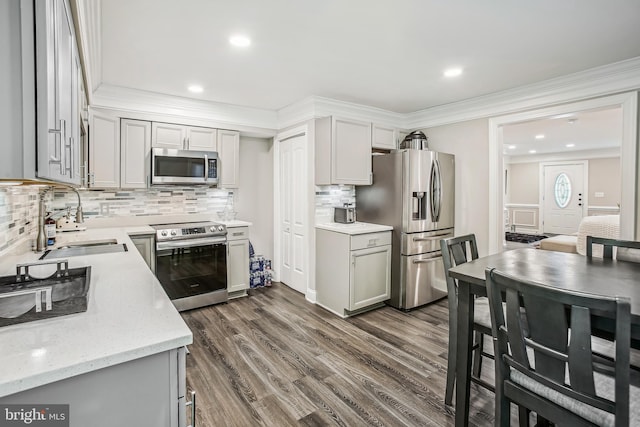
[
  {"x": 385, "y": 53},
  {"x": 587, "y": 130}
]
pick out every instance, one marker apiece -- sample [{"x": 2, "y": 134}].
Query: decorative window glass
[{"x": 562, "y": 190}]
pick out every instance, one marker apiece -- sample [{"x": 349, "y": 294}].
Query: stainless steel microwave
[{"x": 169, "y": 166}]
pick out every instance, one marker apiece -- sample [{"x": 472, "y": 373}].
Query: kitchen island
[{"x": 121, "y": 362}]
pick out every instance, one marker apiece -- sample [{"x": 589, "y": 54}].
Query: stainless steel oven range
[{"x": 191, "y": 263}]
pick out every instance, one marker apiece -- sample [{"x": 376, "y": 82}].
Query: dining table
[{"x": 607, "y": 277}]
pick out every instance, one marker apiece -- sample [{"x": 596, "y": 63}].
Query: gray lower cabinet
[
  {"x": 146, "y": 245},
  {"x": 146, "y": 392},
  {"x": 353, "y": 272},
  {"x": 237, "y": 261}
]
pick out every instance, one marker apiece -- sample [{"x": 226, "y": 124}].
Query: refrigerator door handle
[
  {"x": 424, "y": 261},
  {"x": 434, "y": 237},
  {"x": 436, "y": 191}
]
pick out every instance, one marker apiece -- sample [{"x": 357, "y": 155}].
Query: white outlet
[{"x": 598, "y": 194}]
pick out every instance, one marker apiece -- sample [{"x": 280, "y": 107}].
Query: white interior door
[
  {"x": 294, "y": 246},
  {"x": 564, "y": 197}
]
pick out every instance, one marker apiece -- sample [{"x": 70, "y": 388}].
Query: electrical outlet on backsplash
[{"x": 329, "y": 196}]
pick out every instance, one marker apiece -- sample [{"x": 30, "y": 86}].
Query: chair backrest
[
  {"x": 549, "y": 314},
  {"x": 631, "y": 250},
  {"x": 456, "y": 251}
]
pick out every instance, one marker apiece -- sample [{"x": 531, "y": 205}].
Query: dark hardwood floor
[{"x": 274, "y": 359}]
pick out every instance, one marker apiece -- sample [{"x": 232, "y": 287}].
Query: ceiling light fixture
[
  {"x": 195, "y": 89},
  {"x": 511, "y": 147},
  {"x": 540, "y": 136},
  {"x": 570, "y": 145},
  {"x": 452, "y": 72},
  {"x": 572, "y": 121},
  {"x": 240, "y": 41},
  {"x": 532, "y": 151}
]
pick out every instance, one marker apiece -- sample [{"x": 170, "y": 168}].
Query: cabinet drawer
[
  {"x": 237, "y": 233},
  {"x": 370, "y": 240}
]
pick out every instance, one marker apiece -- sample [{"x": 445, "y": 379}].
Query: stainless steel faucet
[{"x": 41, "y": 239}]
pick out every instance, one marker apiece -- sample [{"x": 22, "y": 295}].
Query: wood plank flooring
[{"x": 274, "y": 359}]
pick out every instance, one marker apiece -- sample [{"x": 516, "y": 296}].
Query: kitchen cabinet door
[
  {"x": 370, "y": 277},
  {"x": 104, "y": 150},
  {"x": 342, "y": 151},
  {"x": 135, "y": 162},
  {"x": 201, "y": 139},
  {"x": 57, "y": 86},
  {"x": 350, "y": 152},
  {"x": 167, "y": 135},
  {"x": 228, "y": 158},
  {"x": 384, "y": 137},
  {"x": 237, "y": 265}
]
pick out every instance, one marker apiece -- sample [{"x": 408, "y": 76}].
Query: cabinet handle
[
  {"x": 70, "y": 147},
  {"x": 192, "y": 403},
  {"x": 426, "y": 239},
  {"x": 59, "y": 135}
]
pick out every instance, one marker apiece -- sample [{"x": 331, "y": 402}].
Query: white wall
[
  {"x": 469, "y": 142},
  {"x": 254, "y": 197}
]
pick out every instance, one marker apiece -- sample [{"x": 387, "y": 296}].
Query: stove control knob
[
  {"x": 164, "y": 234},
  {"x": 173, "y": 232},
  {"x": 220, "y": 228},
  {"x": 212, "y": 229}
]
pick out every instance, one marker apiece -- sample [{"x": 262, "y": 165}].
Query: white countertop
[
  {"x": 129, "y": 316},
  {"x": 234, "y": 223},
  {"x": 353, "y": 228}
]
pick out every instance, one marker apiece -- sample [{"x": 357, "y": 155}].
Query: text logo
[{"x": 34, "y": 415}]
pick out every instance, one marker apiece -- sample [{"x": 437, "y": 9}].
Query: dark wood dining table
[{"x": 564, "y": 270}]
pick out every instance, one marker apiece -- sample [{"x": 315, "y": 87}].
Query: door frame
[
  {"x": 628, "y": 160},
  {"x": 302, "y": 130},
  {"x": 585, "y": 179}
]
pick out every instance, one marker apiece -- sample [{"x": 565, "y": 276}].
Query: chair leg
[
  {"x": 451, "y": 366},
  {"x": 477, "y": 357},
  {"x": 523, "y": 416}
]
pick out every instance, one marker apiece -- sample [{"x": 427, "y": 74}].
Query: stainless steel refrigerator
[{"x": 413, "y": 191}]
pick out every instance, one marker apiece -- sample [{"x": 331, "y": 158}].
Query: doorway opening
[{"x": 518, "y": 146}]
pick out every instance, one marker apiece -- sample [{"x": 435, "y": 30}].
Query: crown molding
[
  {"x": 317, "y": 106},
  {"x": 138, "y": 101},
  {"x": 618, "y": 77}
]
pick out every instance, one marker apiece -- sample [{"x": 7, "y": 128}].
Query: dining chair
[
  {"x": 456, "y": 251},
  {"x": 626, "y": 250},
  {"x": 562, "y": 381}
]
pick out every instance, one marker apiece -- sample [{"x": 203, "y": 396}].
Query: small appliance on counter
[{"x": 345, "y": 214}]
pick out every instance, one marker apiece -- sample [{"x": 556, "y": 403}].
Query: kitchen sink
[
  {"x": 24, "y": 298},
  {"x": 90, "y": 247}
]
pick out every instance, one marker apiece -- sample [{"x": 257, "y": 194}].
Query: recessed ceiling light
[
  {"x": 570, "y": 145},
  {"x": 195, "y": 88},
  {"x": 240, "y": 41},
  {"x": 540, "y": 136},
  {"x": 511, "y": 147},
  {"x": 572, "y": 121},
  {"x": 532, "y": 151},
  {"x": 452, "y": 72}
]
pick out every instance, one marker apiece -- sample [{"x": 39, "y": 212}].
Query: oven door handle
[{"x": 189, "y": 243}]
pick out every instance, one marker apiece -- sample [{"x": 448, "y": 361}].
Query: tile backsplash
[
  {"x": 144, "y": 202},
  {"x": 329, "y": 196},
  {"x": 18, "y": 214},
  {"x": 19, "y": 205}
]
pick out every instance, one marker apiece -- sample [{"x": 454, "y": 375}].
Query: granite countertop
[
  {"x": 129, "y": 316},
  {"x": 353, "y": 228}
]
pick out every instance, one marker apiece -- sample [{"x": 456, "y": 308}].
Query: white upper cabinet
[
  {"x": 343, "y": 151},
  {"x": 57, "y": 81},
  {"x": 201, "y": 139},
  {"x": 135, "y": 145},
  {"x": 384, "y": 137},
  {"x": 180, "y": 137},
  {"x": 104, "y": 150},
  {"x": 228, "y": 158}
]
